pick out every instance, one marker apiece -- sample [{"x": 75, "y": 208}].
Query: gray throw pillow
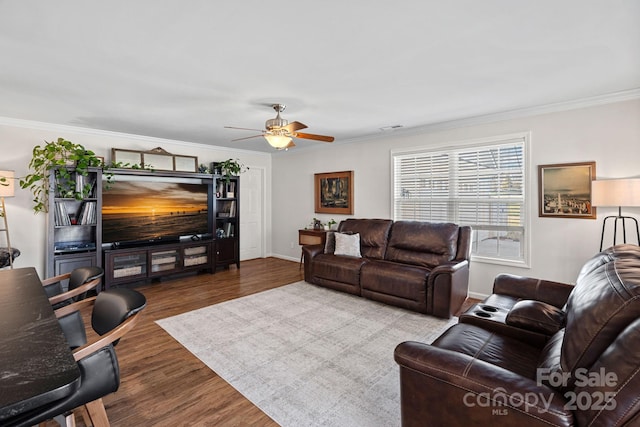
[{"x": 348, "y": 245}]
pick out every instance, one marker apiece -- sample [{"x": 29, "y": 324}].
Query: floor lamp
[
  {"x": 6, "y": 190},
  {"x": 619, "y": 193}
]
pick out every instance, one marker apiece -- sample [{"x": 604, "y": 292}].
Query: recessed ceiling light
[{"x": 388, "y": 128}]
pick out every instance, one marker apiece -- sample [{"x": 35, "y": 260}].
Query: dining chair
[
  {"x": 81, "y": 280},
  {"x": 115, "y": 312}
]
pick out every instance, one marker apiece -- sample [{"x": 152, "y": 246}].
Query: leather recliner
[{"x": 544, "y": 359}]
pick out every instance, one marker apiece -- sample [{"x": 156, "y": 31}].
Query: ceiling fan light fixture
[{"x": 278, "y": 141}]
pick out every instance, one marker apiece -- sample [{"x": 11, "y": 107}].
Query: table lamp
[
  {"x": 617, "y": 192},
  {"x": 7, "y": 188}
]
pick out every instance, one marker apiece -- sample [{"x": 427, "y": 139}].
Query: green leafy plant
[
  {"x": 231, "y": 167},
  {"x": 63, "y": 158}
]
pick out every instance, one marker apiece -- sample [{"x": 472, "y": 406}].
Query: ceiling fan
[{"x": 279, "y": 133}]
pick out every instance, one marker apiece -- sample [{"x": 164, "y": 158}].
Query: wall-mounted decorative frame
[
  {"x": 334, "y": 192},
  {"x": 156, "y": 159},
  {"x": 564, "y": 190}
]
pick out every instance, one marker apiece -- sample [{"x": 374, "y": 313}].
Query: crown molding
[{"x": 610, "y": 98}]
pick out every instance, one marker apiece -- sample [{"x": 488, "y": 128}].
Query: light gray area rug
[{"x": 306, "y": 355}]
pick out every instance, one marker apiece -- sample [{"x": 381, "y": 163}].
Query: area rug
[{"x": 306, "y": 355}]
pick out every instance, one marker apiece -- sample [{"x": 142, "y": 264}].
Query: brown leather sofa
[
  {"x": 581, "y": 366},
  {"x": 419, "y": 266}
]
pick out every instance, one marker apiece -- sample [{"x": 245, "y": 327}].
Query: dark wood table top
[{"x": 36, "y": 364}]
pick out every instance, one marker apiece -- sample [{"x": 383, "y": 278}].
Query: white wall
[
  {"x": 17, "y": 139},
  {"x": 607, "y": 134}
]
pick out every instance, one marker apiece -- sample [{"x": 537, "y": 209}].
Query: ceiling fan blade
[
  {"x": 290, "y": 145},
  {"x": 315, "y": 137},
  {"x": 248, "y": 137},
  {"x": 233, "y": 127},
  {"x": 294, "y": 126}
]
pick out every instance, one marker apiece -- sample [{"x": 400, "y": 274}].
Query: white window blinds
[{"x": 480, "y": 186}]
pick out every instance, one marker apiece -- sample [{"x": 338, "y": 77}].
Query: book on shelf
[
  {"x": 227, "y": 209},
  {"x": 87, "y": 183},
  {"x": 87, "y": 215},
  {"x": 228, "y": 229},
  {"x": 61, "y": 215}
]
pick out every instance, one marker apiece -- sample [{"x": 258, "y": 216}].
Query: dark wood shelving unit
[
  {"x": 74, "y": 227},
  {"x": 227, "y": 220}
]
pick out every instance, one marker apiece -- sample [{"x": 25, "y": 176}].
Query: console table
[
  {"x": 37, "y": 363},
  {"x": 311, "y": 237}
]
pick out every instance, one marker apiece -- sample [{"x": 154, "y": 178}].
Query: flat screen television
[{"x": 144, "y": 208}]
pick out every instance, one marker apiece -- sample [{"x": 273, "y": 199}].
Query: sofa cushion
[
  {"x": 338, "y": 268},
  {"x": 374, "y": 235},
  {"x": 347, "y": 244},
  {"x": 605, "y": 300},
  {"x": 381, "y": 279},
  {"x": 330, "y": 241},
  {"x": 506, "y": 352},
  {"x": 422, "y": 243}
]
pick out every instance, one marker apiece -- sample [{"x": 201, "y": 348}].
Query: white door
[{"x": 252, "y": 214}]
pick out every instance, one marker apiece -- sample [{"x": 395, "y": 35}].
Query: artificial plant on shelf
[{"x": 64, "y": 157}]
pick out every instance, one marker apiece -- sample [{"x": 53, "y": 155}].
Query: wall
[
  {"x": 608, "y": 134},
  {"x": 17, "y": 139}
]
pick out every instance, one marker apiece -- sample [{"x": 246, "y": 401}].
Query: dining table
[{"x": 36, "y": 364}]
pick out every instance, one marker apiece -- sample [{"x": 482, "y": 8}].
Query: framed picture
[
  {"x": 129, "y": 158},
  {"x": 185, "y": 163},
  {"x": 334, "y": 192},
  {"x": 564, "y": 190},
  {"x": 157, "y": 161}
]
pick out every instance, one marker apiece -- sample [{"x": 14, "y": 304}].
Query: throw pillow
[
  {"x": 348, "y": 245},
  {"x": 330, "y": 243}
]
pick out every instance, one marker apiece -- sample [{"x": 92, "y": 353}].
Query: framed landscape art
[
  {"x": 564, "y": 190},
  {"x": 334, "y": 192}
]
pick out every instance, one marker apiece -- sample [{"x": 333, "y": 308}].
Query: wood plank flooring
[{"x": 163, "y": 384}]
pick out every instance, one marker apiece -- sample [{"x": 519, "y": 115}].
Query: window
[{"x": 480, "y": 185}]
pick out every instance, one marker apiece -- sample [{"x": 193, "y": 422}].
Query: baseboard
[
  {"x": 285, "y": 257},
  {"x": 477, "y": 295}
]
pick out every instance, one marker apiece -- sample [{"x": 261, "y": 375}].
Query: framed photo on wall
[
  {"x": 564, "y": 190},
  {"x": 334, "y": 192}
]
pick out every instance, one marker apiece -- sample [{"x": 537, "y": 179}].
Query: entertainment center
[{"x": 140, "y": 225}]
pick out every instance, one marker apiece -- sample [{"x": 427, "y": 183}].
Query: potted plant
[
  {"x": 63, "y": 157},
  {"x": 230, "y": 167},
  {"x": 331, "y": 223}
]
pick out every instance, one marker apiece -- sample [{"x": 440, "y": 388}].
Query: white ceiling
[{"x": 183, "y": 69}]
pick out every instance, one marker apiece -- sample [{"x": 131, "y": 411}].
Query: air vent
[{"x": 389, "y": 128}]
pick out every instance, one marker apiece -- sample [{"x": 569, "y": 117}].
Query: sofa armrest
[
  {"x": 448, "y": 287},
  {"x": 554, "y": 293},
  {"x": 469, "y": 389},
  {"x": 311, "y": 251}
]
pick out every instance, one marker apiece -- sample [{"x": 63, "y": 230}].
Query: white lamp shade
[
  {"x": 7, "y": 185},
  {"x": 278, "y": 141},
  {"x": 616, "y": 192}
]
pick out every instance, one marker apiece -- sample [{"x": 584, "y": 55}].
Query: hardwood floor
[{"x": 163, "y": 384}]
